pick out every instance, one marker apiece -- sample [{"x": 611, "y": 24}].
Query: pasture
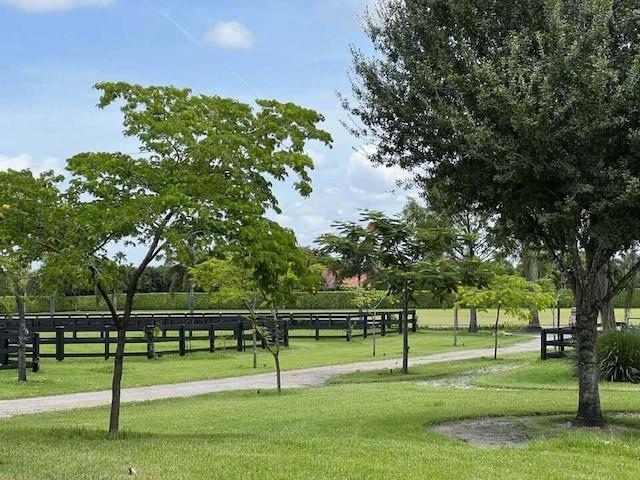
[
  {"x": 353, "y": 430},
  {"x": 366, "y": 425}
]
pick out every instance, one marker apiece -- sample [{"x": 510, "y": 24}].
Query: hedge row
[{"x": 338, "y": 300}]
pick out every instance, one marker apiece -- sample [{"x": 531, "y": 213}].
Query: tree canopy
[{"x": 527, "y": 110}]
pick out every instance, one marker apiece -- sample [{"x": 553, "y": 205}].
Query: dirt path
[{"x": 309, "y": 377}]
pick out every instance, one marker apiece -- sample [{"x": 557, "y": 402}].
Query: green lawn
[
  {"x": 444, "y": 317},
  {"x": 378, "y": 430},
  {"x": 367, "y": 425},
  {"x": 86, "y": 374}
]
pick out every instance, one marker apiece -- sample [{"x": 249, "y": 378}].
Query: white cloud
[
  {"x": 230, "y": 35},
  {"x": 320, "y": 160},
  {"x": 24, "y": 162},
  {"x": 311, "y": 223},
  {"x": 331, "y": 191},
  {"x": 42, "y": 6},
  {"x": 365, "y": 177}
]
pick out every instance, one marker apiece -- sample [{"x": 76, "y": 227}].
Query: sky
[{"x": 53, "y": 51}]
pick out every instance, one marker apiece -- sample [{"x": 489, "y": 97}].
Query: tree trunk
[
  {"x": 405, "y": 331},
  {"x": 608, "y": 314},
  {"x": 473, "y": 320},
  {"x": 607, "y": 311},
  {"x": 374, "y": 332},
  {"x": 192, "y": 298},
  {"x": 495, "y": 335},
  {"x": 628, "y": 299},
  {"x": 276, "y": 357},
  {"x": 589, "y": 412},
  {"x": 254, "y": 340},
  {"x": 455, "y": 326},
  {"x": 116, "y": 383},
  {"x": 531, "y": 264},
  {"x": 114, "y": 297},
  {"x": 23, "y": 333},
  {"x": 534, "y": 322}
]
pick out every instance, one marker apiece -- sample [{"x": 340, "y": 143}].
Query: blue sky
[{"x": 53, "y": 51}]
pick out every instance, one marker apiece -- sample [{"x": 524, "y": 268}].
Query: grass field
[
  {"x": 353, "y": 430},
  {"x": 367, "y": 425},
  {"x": 86, "y": 374},
  {"x": 444, "y": 317}
]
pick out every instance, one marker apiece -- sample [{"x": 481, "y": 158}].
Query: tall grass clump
[{"x": 619, "y": 355}]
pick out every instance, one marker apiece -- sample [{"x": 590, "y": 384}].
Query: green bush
[{"x": 619, "y": 355}]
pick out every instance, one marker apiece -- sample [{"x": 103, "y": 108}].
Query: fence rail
[{"x": 158, "y": 329}]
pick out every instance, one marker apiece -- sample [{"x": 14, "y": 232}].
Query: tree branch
[
  {"x": 105, "y": 296},
  {"x": 622, "y": 283}
]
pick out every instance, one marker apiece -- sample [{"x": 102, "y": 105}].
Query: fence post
[
  {"x": 148, "y": 336},
  {"x": 4, "y": 348},
  {"x": 365, "y": 331},
  {"x": 107, "y": 341},
  {"x": 383, "y": 324},
  {"x": 414, "y": 324},
  {"x": 543, "y": 344},
  {"x": 35, "y": 353},
  {"x": 212, "y": 339},
  {"x": 60, "y": 343},
  {"x": 181, "y": 341},
  {"x": 316, "y": 323},
  {"x": 286, "y": 332},
  {"x": 240, "y": 336}
]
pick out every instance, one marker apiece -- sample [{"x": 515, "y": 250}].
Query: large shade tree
[
  {"x": 530, "y": 111},
  {"x": 203, "y": 176}
]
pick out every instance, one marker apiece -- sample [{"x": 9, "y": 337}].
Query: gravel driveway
[{"x": 308, "y": 377}]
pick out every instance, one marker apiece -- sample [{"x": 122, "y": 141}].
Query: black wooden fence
[
  {"x": 559, "y": 338},
  {"x": 9, "y": 350},
  {"x": 563, "y": 338},
  {"x": 230, "y": 329}
]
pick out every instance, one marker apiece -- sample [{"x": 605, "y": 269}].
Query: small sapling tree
[
  {"x": 231, "y": 280},
  {"x": 262, "y": 270},
  {"x": 279, "y": 266},
  {"x": 369, "y": 300},
  {"x": 513, "y": 294}
]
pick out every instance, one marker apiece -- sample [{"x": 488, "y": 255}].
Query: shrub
[{"x": 619, "y": 355}]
